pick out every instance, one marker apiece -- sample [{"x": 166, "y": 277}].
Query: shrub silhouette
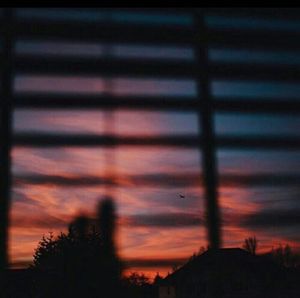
[{"x": 82, "y": 262}]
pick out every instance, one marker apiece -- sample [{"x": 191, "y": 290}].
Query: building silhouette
[{"x": 228, "y": 272}]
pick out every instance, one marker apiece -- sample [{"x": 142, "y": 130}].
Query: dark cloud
[
  {"x": 43, "y": 221},
  {"x": 273, "y": 219},
  {"x": 168, "y": 180},
  {"x": 79, "y": 181},
  {"x": 165, "y": 180},
  {"x": 259, "y": 180},
  {"x": 19, "y": 196},
  {"x": 165, "y": 220},
  {"x": 259, "y": 220}
]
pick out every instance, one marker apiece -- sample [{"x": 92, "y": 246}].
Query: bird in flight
[{"x": 181, "y": 196}]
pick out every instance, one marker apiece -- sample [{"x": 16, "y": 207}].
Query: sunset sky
[
  {"x": 156, "y": 228},
  {"x": 154, "y": 222}
]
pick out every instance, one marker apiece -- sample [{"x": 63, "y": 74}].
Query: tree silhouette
[
  {"x": 157, "y": 279},
  {"x": 138, "y": 279},
  {"x": 82, "y": 262},
  {"x": 175, "y": 267},
  {"x": 284, "y": 256},
  {"x": 138, "y": 285},
  {"x": 250, "y": 245}
]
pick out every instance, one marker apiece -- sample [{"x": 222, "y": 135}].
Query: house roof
[{"x": 222, "y": 260}]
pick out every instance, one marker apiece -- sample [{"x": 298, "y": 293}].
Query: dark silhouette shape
[
  {"x": 138, "y": 279},
  {"x": 250, "y": 245},
  {"x": 106, "y": 221},
  {"x": 82, "y": 262},
  {"x": 230, "y": 272},
  {"x": 6, "y": 125},
  {"x": 138, "y": 286},
  {"x": 285, "y": 257},
  {"x": 79, "y": 227},
  {"x": 157, "y": 279}
]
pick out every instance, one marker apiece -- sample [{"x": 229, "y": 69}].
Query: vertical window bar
[
  {"x": 210, "y": 175},
  {"x": 5, "y": 142}
]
